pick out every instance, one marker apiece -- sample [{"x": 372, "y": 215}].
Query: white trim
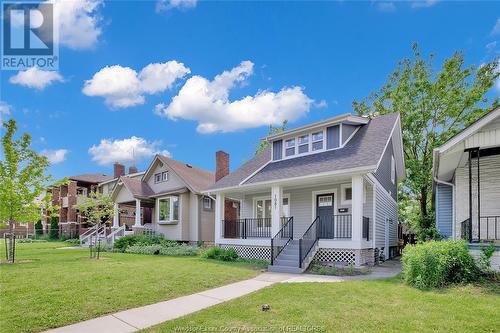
[
  {"x": 255, "y": 172},
  {"x": 393, "y": 170},
  {"x": 264, "y": 198},
  {"x": 343, "y": 200},
  {"x": 364, "y": 169},
  {"x": 469, "y": 131},
  {"x": 313, "y": 201},
  {"x": 309, "y": 145},
  {"x": 157, "y": 209},
  {"x": 350, "y": 137},
  {"x": 374, "y": 179},
  {"x": 247, "y": 241}
]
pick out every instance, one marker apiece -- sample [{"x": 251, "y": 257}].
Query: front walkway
[{"x": 145, "y": 316}]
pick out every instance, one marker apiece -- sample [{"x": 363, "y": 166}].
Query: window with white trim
[
  {"x": 262, "y": 210},
  {"x": 207, "y": 203},
  {"x": 303, "y": 143},
  {"x": 346, "y": 194},
  {"x": 161, "y": 177},
  {"x": 168, "y": 209},
  {"x": 317, "y": 141},
  {"x": 290, "y": 147},
  {"x": 393, "y": 170}
]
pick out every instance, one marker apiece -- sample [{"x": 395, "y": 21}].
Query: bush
[
  {"x": 72, "y": 241},
  {"x": 158, "y": 249},
  {"x": 38, "y": 228},
  {"x": 54, "y": 228},
  {"x": 220, "y": 254},
  {"x": 124, "y": 242},
  {"x": 436, "y": 264}
]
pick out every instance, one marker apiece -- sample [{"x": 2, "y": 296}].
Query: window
[
  {"x": 263, "y": 210},
  {"x": 325, "y": 201},
  {"x": 168, "y": 209},
  {"x": 393, "y": 170},
  {"x": 157, "y": 177},
  {"x": 346, "y": 194},
  {"x": 161, "y": 177},
  {"x": 286, "y": 207},
  {"x": 290, "y": 147},
  {"x": 317, "y": 141},
  {"x": 207, "y": 203},
  {"x": 303, "y": 144}
]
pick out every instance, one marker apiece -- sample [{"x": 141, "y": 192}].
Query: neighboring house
[
  {"x": 68, "y": 195},
  {"x": 325, "y": 192},
  {"x": 166, "y": 199},
  {"x": 466, "y": 174}
]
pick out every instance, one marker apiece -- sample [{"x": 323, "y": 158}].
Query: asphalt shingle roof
[
  {"x": 91, "y": 178},
  {"x": 363, "y": 150},
  {"x": 137, "y": 187},
  {"x": 197, "y": 179}
]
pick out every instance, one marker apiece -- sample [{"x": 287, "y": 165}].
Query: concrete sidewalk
[{"x": 139, "y": 318}]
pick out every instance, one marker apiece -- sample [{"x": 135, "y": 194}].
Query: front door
[{"x": 324, "y": 210}]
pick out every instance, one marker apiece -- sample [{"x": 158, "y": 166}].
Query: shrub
[
  {"x": 158, "y": 249},
  {"x": 220, "y": 254},
  {"x": 124, "y": 242},
  {"x": 72, "y": 241},
  {"x": 484, "y": 261},
  {"x": 436, "y": 264},
  {"x": 54, "y": 228},
  {"x": 38, "y": 228}
]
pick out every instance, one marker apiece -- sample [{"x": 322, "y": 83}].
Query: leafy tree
[
  {"x": 434, "y": 106},
  {"x": 38, "y": 228},
  {"x": 98, "y": 209},
  {"x": 272, "y": 130},
  {"x": 22, "y": 179}
]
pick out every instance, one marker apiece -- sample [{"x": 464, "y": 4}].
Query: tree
[
  {"x": 22, "y": 179},
  {"x": 98, "y": 209},
  {"x": 433, "y": 106},
  {"x": 38, "y": 228},
  {"x": 272, "y": 130},
  {"x": 54, "y": 228}
]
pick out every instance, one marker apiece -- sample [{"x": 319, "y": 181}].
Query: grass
[
  {"x": 357, "y": 306},
  {"x": 53, "y": 287}
]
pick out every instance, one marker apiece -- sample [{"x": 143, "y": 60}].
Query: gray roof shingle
[
  {"x": 91, "y": 178},
  {"x": 137, "y": 187},
  {"x": 363, "y": 150},
  {"x": 197, "y": 179}
]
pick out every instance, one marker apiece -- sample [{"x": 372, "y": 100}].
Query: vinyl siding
[
  {"x": 385, "y": 209},
  {"x": 490, "y": 190},
  {"x": 444, "y": 210},
  {"x": 333, "y": 137},
  {"x": 207, "y": 222},
  {"x": 383, "y": 173},
  {"x": 277, "y": 150},
  {"x": 347, "y": 130},
  {"x": 173, "y": 181}
]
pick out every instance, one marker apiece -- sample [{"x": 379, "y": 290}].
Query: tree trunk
[
  {"x": 10, "y": 253},
  {"x": 423, "y": 201}
]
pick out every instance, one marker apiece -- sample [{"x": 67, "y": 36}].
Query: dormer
[{"x": 330, "y": 134}]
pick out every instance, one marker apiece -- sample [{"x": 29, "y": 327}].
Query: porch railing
[
  {"x": 308, "y": 240},
  {"x": 335, "y": 227},
  {"x": 486, "y": 229},
  {"x": 247, "y": 228},
  {"x": 281, "y": 239}
]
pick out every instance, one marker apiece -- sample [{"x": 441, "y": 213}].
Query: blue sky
[{"x": 283, "y": 60}]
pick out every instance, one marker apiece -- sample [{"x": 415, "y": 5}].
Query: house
[
  {"x": 68, "y": 195},
  {"x": 166, "y": 199},
  {"x": 325, "y": 192},
  {"x": 466, "y": 171}
]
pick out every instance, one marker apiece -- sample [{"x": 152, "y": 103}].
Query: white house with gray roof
[{"x": 325, "y": 192}]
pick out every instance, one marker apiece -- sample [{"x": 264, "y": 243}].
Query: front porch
[{"x": 336, "y": 215}]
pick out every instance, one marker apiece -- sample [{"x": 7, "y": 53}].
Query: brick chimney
[
  {"x": 118, "y": 170},
  {"x": 132, "y": 169},
  {"x": 221, "y": 165}
]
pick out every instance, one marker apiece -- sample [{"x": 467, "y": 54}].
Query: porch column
[
  {"x": 220, "y": 199},
  {"x": 137, "y": 213},
  {"x": 116, "y": 216},
  {"x": 357, "y": 209},
  {"x": 276, "y": 209}
]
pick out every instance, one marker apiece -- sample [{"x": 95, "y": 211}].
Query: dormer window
[
  {"x": 317, "y": 141},
  {"x": 290, "y": 147},
  {"x": 161, "y": 177},
  {"x": 303, "y": 144}
]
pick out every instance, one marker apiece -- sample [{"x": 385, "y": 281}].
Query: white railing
[
  {"x": 87, "y": 234},
  {"x": 118, "y": 232}
]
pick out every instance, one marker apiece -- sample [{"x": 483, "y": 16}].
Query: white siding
[
  {"x": 483, "y": 139},
  {"x": 385, "y": 208}
]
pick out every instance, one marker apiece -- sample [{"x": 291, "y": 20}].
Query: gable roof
[
  {"x": 91, "y": 178},
  {"x": 137, "y": 187},
  {"x": 363, "y": 151},
  {"x": 196, "y": 179}
]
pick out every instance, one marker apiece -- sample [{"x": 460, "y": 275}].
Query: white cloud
[
  {"x": 78, "y": 22},
  {"x": 164, "y": 5},
  {"x": 496, "y": 28},
  {"x": 55, "y": 156},
  {"x": 123, "y": 87},
  {"x": 423, "y": 3},
  {"x": 387, "y": 7},
  {"x": 36, "y": 78},
  {"x": 5, "y": 110},
  {"x": 490, "y": 47},
  {"x": 128, "y": 150},
  {"x": 207, "y": 102}
]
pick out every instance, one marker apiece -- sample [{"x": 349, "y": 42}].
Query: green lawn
[
  {"x": 357, "y": 306},
  {"x": 59, "y": 287}
]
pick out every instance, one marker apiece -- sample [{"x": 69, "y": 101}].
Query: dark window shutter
[
  {"x": 277, "y": 150},
  {"x": 333, "y": 137}
]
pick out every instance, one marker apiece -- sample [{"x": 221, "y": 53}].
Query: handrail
[
  {"x": 284, "y": 234},
  {"x": 87, "y": 234},
  {"x": 308, "y": 241},
  {"x": 114, "y": 233},
  {"x": 486, "y": 228}
]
